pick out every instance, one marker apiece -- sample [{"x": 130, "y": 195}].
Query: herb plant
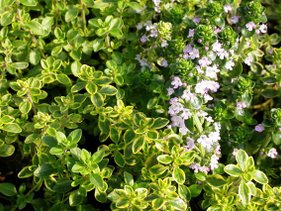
[{"x": 140, "y": 105}]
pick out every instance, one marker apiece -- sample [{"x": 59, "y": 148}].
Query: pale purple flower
[
  {"x": 183, "y": 130},
  {"x": 223, "y": 54},
  {"x": 234, "y": 19},
  {"x": 229, "y": 65},
  {"x": 205, "y": 85},
  {"x": 211, "y": 71},
  {"x": 157, "y": 9},
  {"x": 190, "y": 144},
  {"x": 164, "y": 63},
  {"x": 148, "y": 25},
  {"x": 139, "y": 26},
  {"x": 259, "y": 128},
  {"x": 164, "y": 44},
  {"x": 214, "y": 162},
  {"x": 214, "y": 136},
  {"x": 190, "y": 52},
  {"x": 190, "y": 33},
  {"x": 153, "y": 33},
  {"x": 227, "y": 8},
  {"x": 263, "y": 28},
  {"x": 174, "y": 100},
  {"x": 187, "y": 95},
  {"x": 143, "y": 38},
  {"x": 202, "y": 113},
  {"x": 142, "y": 61},
  {"x": 186, "y": 114},
  {"x": 241, "y": 105},
  {"x": 206, "y": 142},
  {"x": 196, "y": 167},
  {"x": 251, "y": 26},
  {"x": 176, "y": 82},
  {"x": 209, "y": 119},
  {"x": 199, "y": 69},
  {"x": 175, "y": 108},
  {"x": 235, "y": 151},
  {"x": 272, "y": 153},
  {"x": 217, "y": 30},
  {"x": 217, "y": 47},
  {"x": 156, "y": 2},
  {"x": 204, "y": 61},
  {"x": 177, "y": 121},
  {"x": 249, "y": 60},
  {"x": 196, "y": 20},
  {"x": 170, "y": 91}
]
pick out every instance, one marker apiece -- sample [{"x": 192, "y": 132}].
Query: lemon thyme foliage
[{"x": 139, "y": 105}]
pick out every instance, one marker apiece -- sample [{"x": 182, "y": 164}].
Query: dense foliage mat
[{"x": 140, "y": 105}]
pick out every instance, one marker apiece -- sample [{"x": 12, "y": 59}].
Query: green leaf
[
  {"x": 119, "y": 159},
  {"x": 98, "y": 156},
  {"x": 75, "y": 136},
  {"x": 158, "y": 203},
  {"x": 165, "y": 159},
  {"x": 98, "y": 44},
  {"x": 184, "y": 192},
  {"x": 43, "y": 171},
  {"x": 233, "y": 170},
  {"x": 244, "y": 193},
  {"x": 158, "y": 169},
  {"x": 108, "y": 90},
  {"x": 6, "y": 150},
  {"x": 62, "y": 186},
  {"x": 7, "y": 18},
  {"x": 135, "y": 6},
  {"x": 216, "y": 180},
  {"x": 195, "y": 190},
  {"x": 36, "y": 28},
  {"x": 30, "y": 3},
  {"x": 57, "y": 150},
  {"x": 75, "y": 68},
  {"x": 71, "y": 14},
  {"x": 19, "y": 65},
  {"x": 6, "y": 119},
  {"x": 160, "y": 123},
  {"x": 122, "y": 203},
  {"x": 77, "y": 168},
  {"x": 115, "y": 134},
  {"x": 260, "y": 177},
  {"x": 179, "y": 175},
  {"x": 241, "y": 158},
  {"x": 63, "y": 79},
  {"x": 91, "y": 87},
  {"x": 25, "y": 107},
  {"x": 138, "y": 144},
  {"x": 8, "y": 189},
  {"x": 77, "y": 197},
  {"x": 25, "y": 172},
  {"x": 128, "y": 178},
  {"x": 60, "y": 136},
  {"x": 12, "y": 128},
  {"x": 85, "y": 155},
  {"x": 128, "y": 136},
  {"x": 34, "y": 57},
  {"x": 178, "y": 204},
  {"x": 97, "y": 180},
  {"x": 100, "y": 196},
  {"x": 97, "y": 99}
]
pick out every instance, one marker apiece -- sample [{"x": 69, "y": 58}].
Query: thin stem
[{"x": 198, "y": 123}]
